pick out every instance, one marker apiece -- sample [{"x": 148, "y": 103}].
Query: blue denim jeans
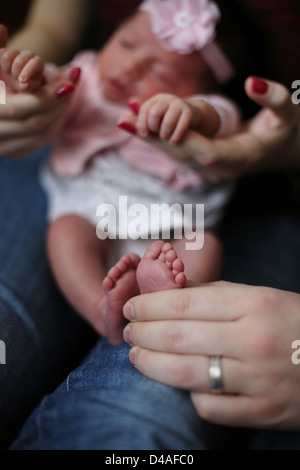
[
  {"x": 107, "y": 404},
  {"x": 41, "y": 334}
]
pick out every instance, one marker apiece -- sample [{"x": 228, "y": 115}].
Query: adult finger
[
  {"x": 185, "y": 337},
  {"x": 274, "y": 96},
  {"x": 200, "y": 153},
  {"x": 223, "y": 158},
  {"x": 32, "y": 141},
  {"x": 229, "y": 157},
  {"x": 129, "y": 124},
  {"x": 3, "y": 35},
  {"x": 229, "y": 410},
  {"x": 22, "y": 105},
  {"x": 188, "y": 372},
  {"x": 21, "y": 147},
  {"x": 33, "y": 124},
  {"x": 217, "y": 301}
]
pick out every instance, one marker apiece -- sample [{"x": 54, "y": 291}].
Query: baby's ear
[{"x": 3, "y": 35}]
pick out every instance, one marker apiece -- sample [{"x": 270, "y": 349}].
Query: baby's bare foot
[
  {"x": 160, "y": 269},
  {"x": 120, "y": 285}
]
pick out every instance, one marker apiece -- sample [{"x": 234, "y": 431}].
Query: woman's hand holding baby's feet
[
  {"x": 160, "y": 269},
  {"x": 26, "y": 69}
]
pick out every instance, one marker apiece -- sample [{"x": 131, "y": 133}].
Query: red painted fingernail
[
  {"x": 134, "y": 106},
  {"x": 64, "y": 90},
  {"x": 259, "y": 86},
  {"x": 126, "y": 126},
  {"x": 75, "y": 74}
]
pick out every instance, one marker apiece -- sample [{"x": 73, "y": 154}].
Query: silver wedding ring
[{"x": 215, "y": 374}]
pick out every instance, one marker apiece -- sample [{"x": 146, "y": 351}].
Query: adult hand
[
  {"x": 3, "y": 35},
  {"x": 29, "y": 121},
  {"x": 269, "y": 141},
  {"x": 251, "y": 328}
]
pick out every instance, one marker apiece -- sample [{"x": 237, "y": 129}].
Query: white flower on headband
[{"x": 183, "y": 26}]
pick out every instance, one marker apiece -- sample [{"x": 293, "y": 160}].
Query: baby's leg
[
  {"x": 201, "y": 265},
  {"x": 75, "y": 256}
]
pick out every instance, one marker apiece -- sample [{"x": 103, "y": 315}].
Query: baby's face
[{"x": 134, "y": 65}]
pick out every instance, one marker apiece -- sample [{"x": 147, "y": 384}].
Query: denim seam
[{"x": 40, "y": 419}]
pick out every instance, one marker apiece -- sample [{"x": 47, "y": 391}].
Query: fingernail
[
  {"x": 22, "y": 78},
  {"x": 127, "y": 334},
  {"x": 134, "y": 106},
  {"x": 259, "y": 86},
  {"x": 133, "y": 356},
  {"x": 75, "y": 74},
  {"x": 126, "y": 126},
  {"x": 64, "y": 90},
  {"x": 128, "y": 311},
  {"x": 144, "y": 133}
]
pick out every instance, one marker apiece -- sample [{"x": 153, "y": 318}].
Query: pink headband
[{"x": 185, "y": 26}]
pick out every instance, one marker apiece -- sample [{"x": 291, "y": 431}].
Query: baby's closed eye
[{"x": 163, "y": 74}]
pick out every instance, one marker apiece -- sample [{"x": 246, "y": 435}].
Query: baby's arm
[
  {"x": 25, "y": 69},
  {"x": 171, "y": 117}
]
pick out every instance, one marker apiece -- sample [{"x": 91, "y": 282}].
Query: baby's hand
[
  {"x": 25, "y": 68},
  {"x": 166, "y": 115}
]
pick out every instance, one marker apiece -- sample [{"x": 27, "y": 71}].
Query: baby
[{"x": 164, "y": 64}]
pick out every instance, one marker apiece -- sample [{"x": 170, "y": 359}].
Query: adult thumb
[
  {"x": 272, "y": 95},
  {"x": 3, "y": 35}
]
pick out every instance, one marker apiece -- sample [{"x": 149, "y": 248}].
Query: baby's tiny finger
[
  {"x": 156, "y": 116},
  {"x": 32, "y": 70},
  {"x": 142, "y": 120},
  {"x": 20, "y": 62},
  {"x": 169, "y": 123},
  {"x": 142, "y": 126},
  {"x": 7, "y": 60},
  {"x": 182, "y": 126}
]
